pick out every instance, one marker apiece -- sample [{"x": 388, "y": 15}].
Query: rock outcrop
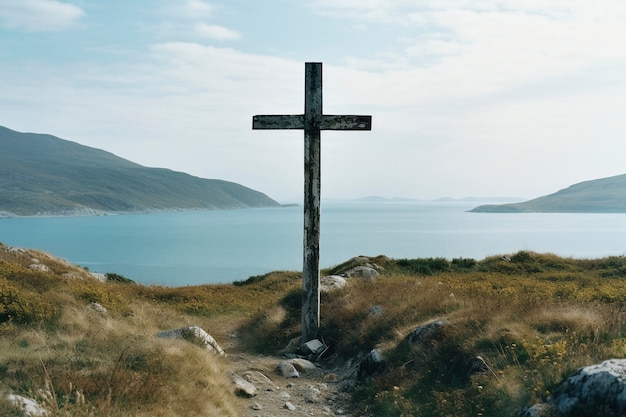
[
  {"x": 365, "y": 272},
  {"x": 596, "y": 390},
  {"x": 593, "y": 391},
  {"x": 193, "y": 334},
  {"x": 29, "y": 407}
]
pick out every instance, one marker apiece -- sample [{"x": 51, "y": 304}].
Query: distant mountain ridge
[
  {"x": 605, "y": 195},
  {"x": 45, "y": 175}
]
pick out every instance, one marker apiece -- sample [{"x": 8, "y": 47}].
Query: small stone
[
  {"x": 287, "y": 370},
  {"x": 284, "y": 395},
  {"x": 39, "y": 267},
  {"x": 376, "y": 311},
  {"x": 302, "y": 365},
  {"x": 243, "y": 388},
  {"x": 256, "y": 406},
  {"x": 312, "y": 395},
  {"x": 372, "y": 364},
  {"x": 289, "y": 406},
  {"x": 97, "y": 307}
]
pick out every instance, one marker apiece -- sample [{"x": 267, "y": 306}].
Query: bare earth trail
[{"x": 323, "y": 391}]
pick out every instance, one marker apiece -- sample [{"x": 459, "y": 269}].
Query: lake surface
[{"x": 189, "y": 248}]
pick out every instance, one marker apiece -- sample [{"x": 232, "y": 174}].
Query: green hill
[
  {"x": 605, "y": 195},
  {"x": 43, "y": 174}
]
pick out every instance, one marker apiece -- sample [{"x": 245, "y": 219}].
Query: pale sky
[{"x": 468, "y": 97}]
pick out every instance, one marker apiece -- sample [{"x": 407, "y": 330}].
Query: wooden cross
[{"x": 312, "y": 121}]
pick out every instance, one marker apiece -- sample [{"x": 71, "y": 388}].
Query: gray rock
[
  {"x": 312, "y": 395},
  {"x": 373, "y": 363},
  {"x": 366, "y": 273},
  {"x": 39, "y": 267},
  {"x": 193, "y": 334},
  {"x": 593, "y": 391},
  {"x": 243, "y": 388},
  {"x": 97, "y": 307},
  {"x": 539, "y": 410},
  {"x": 287, "y": 370},
  {"x": 99, "y": 276},
  {"x": 289, "y": 406},
  {"x": 332, "y": 282},
  {"x": 360, "y": 260},
  {"x": 303, "y": 365},
  {"x": 376, "y": 311},
  {"x": 29, "y": 406},
  {"x": 426, "y": 332}
]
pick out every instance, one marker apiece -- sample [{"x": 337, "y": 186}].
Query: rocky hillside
[
  {"x": 43, "y": 175},
  {"x": 605, "y": 195}
]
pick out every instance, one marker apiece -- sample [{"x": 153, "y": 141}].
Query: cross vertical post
[
  {"x": 312, "y": 204},
  {"x": 312, "y": 122}
]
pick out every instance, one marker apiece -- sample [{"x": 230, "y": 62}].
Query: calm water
[{"x": 191, "y": 248}]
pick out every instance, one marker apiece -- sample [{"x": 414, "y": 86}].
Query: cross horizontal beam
[{"x": 327, "y": 122}]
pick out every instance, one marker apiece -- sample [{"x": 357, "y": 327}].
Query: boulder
[
  {"x": 424, "y": 333},
  {"x": 593, "y": 391},
  {"x": 331, "y": 283},
  {"x": 373, "y": 363},
  {"x": 431, "y": 343},
  {"x": 193, "y": 334},
  {"x": 29, "y": 406},
  {"x": 367, "y": 273}
]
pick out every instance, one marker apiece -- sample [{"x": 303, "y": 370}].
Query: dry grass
[
  {"x": 79, "y": 362},
  {"x": 533, "y": 318}
]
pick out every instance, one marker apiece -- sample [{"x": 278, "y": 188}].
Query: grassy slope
[
  {"x": 606, "y": 195},
  {"x": 42, "y": 173},
  {"x": 533, "y": 318}
]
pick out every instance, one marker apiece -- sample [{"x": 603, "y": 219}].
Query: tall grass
[
  {"x": 76, "y": 361},
  {"x": 532, "y": 318}
]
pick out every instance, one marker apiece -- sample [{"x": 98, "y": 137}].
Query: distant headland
[
  {"x": 43, "y": 175},
  {"x": 605, "y": 195}
]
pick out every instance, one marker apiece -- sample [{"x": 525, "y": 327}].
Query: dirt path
[{"x": 323, "y": 391}]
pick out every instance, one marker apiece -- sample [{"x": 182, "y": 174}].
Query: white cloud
[
  {"x": 216, "y": 32},
  {"x": 38, "y": 15},
  {"x": 466, "y": 96},
  {"x": 197, "y": 9}
]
